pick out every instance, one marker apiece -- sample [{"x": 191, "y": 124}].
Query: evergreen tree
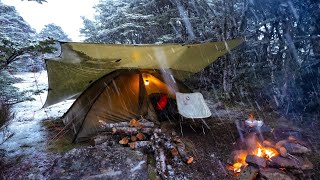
[
  {"x": 281, "y": 49},
  {"x": 52, "y": 31},
  {"x": 143, "y": 21},
  {"x": 18, "y": 43}
]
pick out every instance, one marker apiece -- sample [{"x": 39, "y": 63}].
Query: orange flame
[{"x": 265, "y": 152}]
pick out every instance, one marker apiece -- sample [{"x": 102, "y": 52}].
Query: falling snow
[{"x": 274, "y": 76}]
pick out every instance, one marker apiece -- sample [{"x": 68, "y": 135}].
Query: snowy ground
[
  {"x": 28, "y": 157},
  {"x": 26, "y": 127},
  {"x": 26, "y": 151}
]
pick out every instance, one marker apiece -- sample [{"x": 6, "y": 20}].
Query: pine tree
[
  {"x": 18, "y": 43},
  {"x": 52, "y": 31},
  {"x": 143, "y": 21}
]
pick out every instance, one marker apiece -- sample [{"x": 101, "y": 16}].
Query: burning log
[
  {"x": 270, "y": 173},
  {"x": 239, "y": 155},
  {"x": 256, "y": 161},
  {"x": 271, "y": 160},
  {"x": 293, "y": 148}
]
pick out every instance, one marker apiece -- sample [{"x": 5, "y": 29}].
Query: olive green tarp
[
  {"x": 109, "y": 79},
  {"x": 80, "y": 64}
]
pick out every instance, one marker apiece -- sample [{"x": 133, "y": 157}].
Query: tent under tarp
[
  {"x": 80, "y": 64},
  {"x": 115, "y": 83},
  {"x": 119, "y": 96}
]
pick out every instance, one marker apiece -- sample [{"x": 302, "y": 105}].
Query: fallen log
[
  {"x": 182, "y": 151},
  {"x": 139, "y": 144},
  {"x": 159, "y": 156},
  {"x": 131, "y": 130},
  {"x": 132, "y": 123},
  {"x": 124, "y": 141},
  {"x": 109, "y": 126},
  {"x": 133, "y": 138},
  {"x": 140, "y": 136}
]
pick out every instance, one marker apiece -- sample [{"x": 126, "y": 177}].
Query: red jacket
[{"x": 162, "y": 102}]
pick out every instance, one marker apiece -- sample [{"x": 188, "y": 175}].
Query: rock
[
  {"x": 267, "y": 143},
  {"x": 272, "y": 174},
  {"x": 307, "y": 165},
  {"x": 283, "y": 152},
  {"x": 292, "y": 139},
  {"x": 256, "y": 161},
  {"x": 293, "y": 148},
  {"x": 248, "y": 173},
  {"x": 280, "y": 144},
  {"x": 304, "y": 163},
  {"x": 281, "y": 162}
]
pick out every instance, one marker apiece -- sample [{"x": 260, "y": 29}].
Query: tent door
[{"x": 192, "y": 105}]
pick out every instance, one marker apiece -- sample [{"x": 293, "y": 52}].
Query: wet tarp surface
[{"x": 80, "y": 64}]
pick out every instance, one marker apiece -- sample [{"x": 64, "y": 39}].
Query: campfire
[
  {"x": 267, "y": 159},
  {"x": 263, "y": 152}
]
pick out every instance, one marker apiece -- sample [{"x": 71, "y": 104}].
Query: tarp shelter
[{"x": 109, "y": 80}]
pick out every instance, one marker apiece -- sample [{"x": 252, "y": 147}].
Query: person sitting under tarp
[{"x": 166, "y": 108}]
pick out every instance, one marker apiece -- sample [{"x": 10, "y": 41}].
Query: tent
[{"x": 113, "y": 82}]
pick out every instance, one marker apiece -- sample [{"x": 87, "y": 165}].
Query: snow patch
[{"x": 139, "y": 166}]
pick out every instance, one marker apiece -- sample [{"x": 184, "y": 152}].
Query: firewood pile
[
  {"x": 143, "y": 134},
  {"x": 284, "y": 159}
]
